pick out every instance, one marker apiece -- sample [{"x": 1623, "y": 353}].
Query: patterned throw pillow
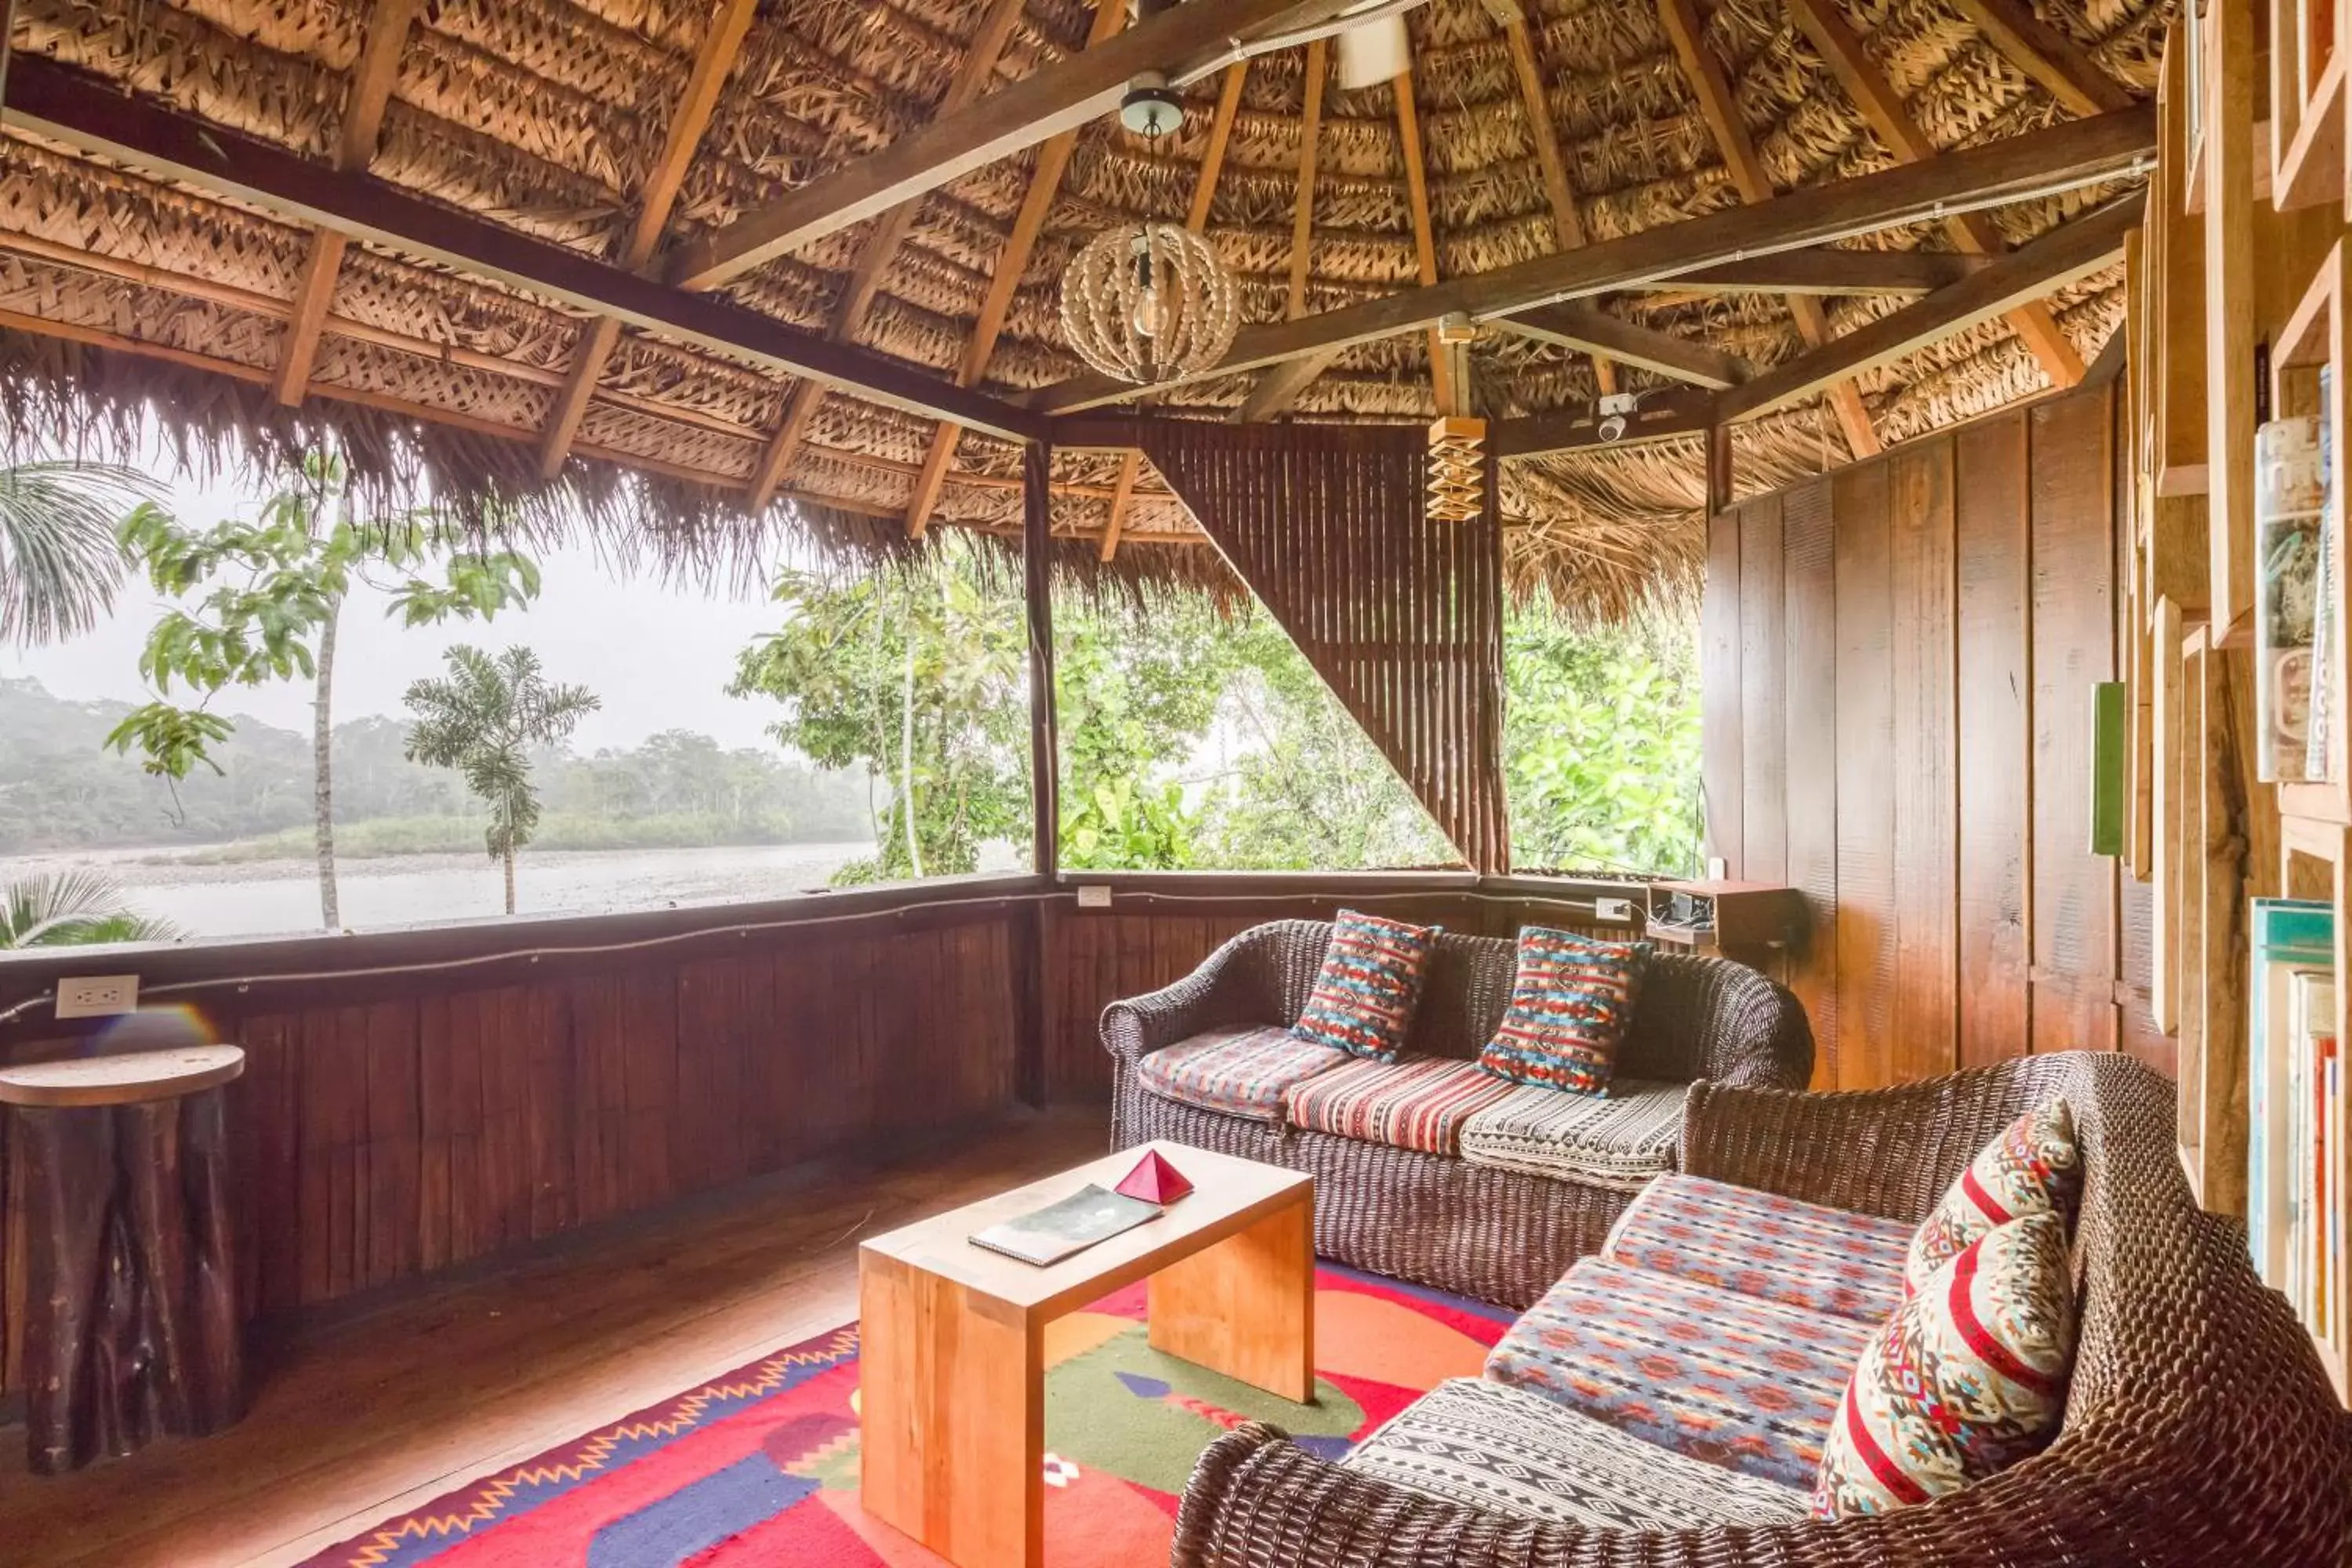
[
  {"x": 1967, "y": 1377},
  {"x": 1363, "y": 998},
  {"x": 1570, "y": 1002},
  {"x": 2032, "y": 1168}
]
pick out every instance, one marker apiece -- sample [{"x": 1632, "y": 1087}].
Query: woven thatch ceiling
[{"x": 578, "y": 122}]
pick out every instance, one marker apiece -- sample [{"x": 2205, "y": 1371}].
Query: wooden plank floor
[{"x": 365, "y": 1418}]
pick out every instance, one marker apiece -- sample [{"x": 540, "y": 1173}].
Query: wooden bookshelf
[
  {"x": 2316, "y": 862},
  {"x": 2307, "y": 97}
]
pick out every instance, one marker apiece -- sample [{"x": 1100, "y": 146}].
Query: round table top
[{"x": 124, "y": 1079}]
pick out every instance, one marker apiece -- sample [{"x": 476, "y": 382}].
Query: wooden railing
[{"x": 423, "y": 1098}]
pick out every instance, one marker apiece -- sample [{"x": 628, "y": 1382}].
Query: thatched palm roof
[{"x": 555, "y": 119}]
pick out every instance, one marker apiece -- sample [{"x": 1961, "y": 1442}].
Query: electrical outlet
[
  {"x": 1094, "y": 898},
  {"x": 1619, "y": 909},
  {"x": 1717, "y": 869},
  {"x": 98, "y": 996}
]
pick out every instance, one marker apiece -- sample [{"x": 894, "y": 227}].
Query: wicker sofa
[
  {"x": 1499, "y": 1234},
  {"x": 2199, "y": 1428}
]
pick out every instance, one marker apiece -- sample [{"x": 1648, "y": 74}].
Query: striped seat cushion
[
  {"x": 1617, "y": 1142},
  {"x": 1416, "y": 1104},
  {"x": 1709, "y": 1374},
  {"x": 1488, "y": 1446},
  {"x": 1763, "y": 1245},
  {"x": 1241, "y": 1071}
]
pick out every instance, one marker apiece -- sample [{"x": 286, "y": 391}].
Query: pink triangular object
[{"x": 1154, "y": 1180}]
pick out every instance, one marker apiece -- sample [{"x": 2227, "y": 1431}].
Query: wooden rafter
[
  {"x": 2063, "y": 68},
  {"x": 1451, "y": 399},
  {"x": 1567, "y": 221},
  {"x": 881, "y": 249},
  {"x": 1060, "y": 97},
  {"x": 2065, "y": 254},
  {"x": 1824, "y": 271},
  {"x": 1599, "y": 333},
  {"x": 2077, "y": 153},
  {"x": 1721, "y": 111},
  {"x": 1882, "y": 109},
  {"x": 1004, "y": 282},
  {"x": 712, "y": 61},
  {"x": 378, "y": 68},
  {"x": 93, "y": 116},
  {"x": 1280, "y": 388}
]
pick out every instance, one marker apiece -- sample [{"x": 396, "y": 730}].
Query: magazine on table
[{"x": 1092, "y": 1213}]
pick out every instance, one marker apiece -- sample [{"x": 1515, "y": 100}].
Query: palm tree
[
  {"x": 71, "y": 910},
  {"x": 483, "y": 721},
  {"x": 59, "y": 561}
]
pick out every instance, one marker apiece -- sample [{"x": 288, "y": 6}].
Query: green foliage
[
  {"x": 919, "y": 678},
  {"x": 1601, "y": 742},
  {"x": 73, "y": 909},
  {"x": 265, "y": 592},
  {"x": 483, "y": 721},
  {"x": 59, "y": 561}
]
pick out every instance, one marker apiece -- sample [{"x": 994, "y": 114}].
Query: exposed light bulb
[{"x": 1151, "y": 312}]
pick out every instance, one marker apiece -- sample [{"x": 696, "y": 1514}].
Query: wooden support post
[
  {"x": 1037, "y": 580},
  {"x": 1719, "y": 469}
]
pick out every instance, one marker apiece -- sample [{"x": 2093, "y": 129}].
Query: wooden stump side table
[{"x": 133, "y": 1326}]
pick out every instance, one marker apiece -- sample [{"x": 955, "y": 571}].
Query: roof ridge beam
[
  {"x": 2110, "y": 146},
  {"x": 1180, "y": 41},
  {"x": 2069, "y": 252}
]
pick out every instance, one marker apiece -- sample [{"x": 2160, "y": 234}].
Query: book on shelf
[
  {"x": 2319, "y": 759},
  {"x": 2290, "y": 499},
  {"x": 2290, "y": 939},
  {"x": 2315, "y": 1270}
]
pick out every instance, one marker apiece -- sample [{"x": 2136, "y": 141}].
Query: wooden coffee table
[{"x": 951, "y": 1359}]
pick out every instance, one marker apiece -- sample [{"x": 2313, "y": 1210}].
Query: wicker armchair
[
  {"x": 1498, "y": 1235},
  {"x": 2199, "y": 1428}
]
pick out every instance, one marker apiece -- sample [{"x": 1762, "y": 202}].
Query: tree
[
  {"x": 483, "y": 721},
  {"x": 1601, "y": 746},
  {"x": 73, "y": 909},
  {"x": 918, "y": 677},
  {"x": 273, "y": 593},
  {"x": 60, "y": 558}
]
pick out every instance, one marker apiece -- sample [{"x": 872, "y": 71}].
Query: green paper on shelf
[{"x": 2108, "y": 738}]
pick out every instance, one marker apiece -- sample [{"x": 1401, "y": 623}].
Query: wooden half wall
[{"x": 1897, "y": 662}]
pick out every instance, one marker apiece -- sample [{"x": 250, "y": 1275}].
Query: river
[{"x": 270, "y": 896}]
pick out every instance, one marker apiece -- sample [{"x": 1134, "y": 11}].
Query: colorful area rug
[{"x": 761, "y": 1466}]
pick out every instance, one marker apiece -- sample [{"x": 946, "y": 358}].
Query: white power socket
[
  {"x": 1619, "y": 909},
  {"x": 1094, "y": 897},
  {"x": 98, "y": 996}
]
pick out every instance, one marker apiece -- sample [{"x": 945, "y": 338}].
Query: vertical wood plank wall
[{"x": 1897, "y": 661}]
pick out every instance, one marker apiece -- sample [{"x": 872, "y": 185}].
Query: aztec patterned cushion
[
  {"x": 1570, "y": 1002},
  {"x": 1363, "y": 997},
  {"x": 1967, "y": 1376},
  {"x": 1242, "y": 1071},
  {"x": 2032, "y": 1168},
  {"x": 1485, "y": 1446},
  {"x": 1617, "y": 1142},
  {"x": 1761, "y": 1243},
  {"x": 1418, "y": 1104},
  {"x": 1717, "y": 1377}
]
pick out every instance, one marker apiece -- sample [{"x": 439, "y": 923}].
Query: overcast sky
[{"x": 659, "y": 654}]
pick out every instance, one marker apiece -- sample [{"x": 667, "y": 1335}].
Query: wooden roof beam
[
  {"x": 1004, "y": 282},
  {"x": 1180, "y": 41},
  {"x": 1567, "y": 221},
  {"x": 1599, "y": 333},
  {"x": 1275, "y": 391},
  {"x": 1825, "y": 271},
  {"x": 2065, "y": 254},
  {"x": 721, "y": 45},
  {"x": 1882, "y": 109},
  {"x": 2079, "y": 152},
  {"x": 1721, "y": 111},
  {"x": 2062, "y": 67},
  {"x": 92, "y": 115},
  {"x": 1658, "y": 417},
  {"x": 880, "y": 251},
  {"x": 372, "y": 77},
  {"x": 1445, "y": 382}
]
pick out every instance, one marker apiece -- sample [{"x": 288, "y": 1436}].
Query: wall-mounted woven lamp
[{"x": 1457, "y": 469}]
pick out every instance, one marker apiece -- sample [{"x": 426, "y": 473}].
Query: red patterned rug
[{"x": 761, "y": 1466}]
